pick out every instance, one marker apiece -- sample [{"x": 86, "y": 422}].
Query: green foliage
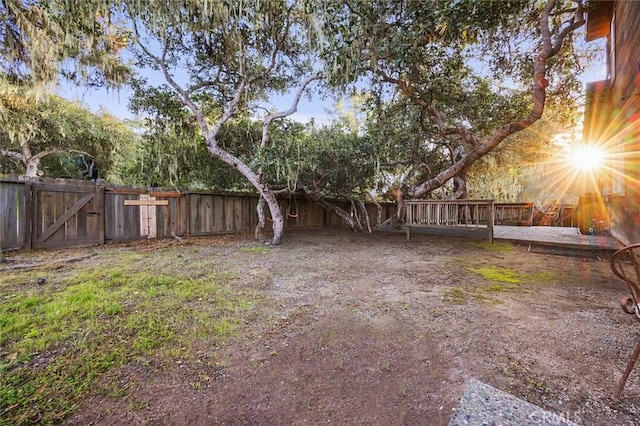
[
  {"x": 39, "y": 41},
  {"x": 332, "y": 160},
  {"x": 445, "y": 75},
  {"x": 68, "y": 140},
  {"x": 59, "y": 342}
]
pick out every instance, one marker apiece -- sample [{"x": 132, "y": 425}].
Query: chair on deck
[{"x": 625, "y": 264}]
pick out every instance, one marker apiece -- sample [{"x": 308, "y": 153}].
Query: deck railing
[
  {"x": 449, "y": 213},
  {"x": 515, "y": 214}
]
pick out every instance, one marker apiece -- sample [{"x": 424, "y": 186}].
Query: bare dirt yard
[{"x": 372, "y": 329}]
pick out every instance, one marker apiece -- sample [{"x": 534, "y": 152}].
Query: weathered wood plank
[
  {"x": 166, "y": 194},
  {"x": 12, "y": 218},
  {"x": 66, "y": 216},
  {"x": 152, "y": 218},
  {"x": 146, "y": 202},
  {"x": 217, "y": 216},
  {"x": 126, "y": 191},
  {"x": 143, "y": 213},
  {"x": 28, "y": 215},
  {"x": 99, "y": 206},
  {"x": 71, "y": 225}
]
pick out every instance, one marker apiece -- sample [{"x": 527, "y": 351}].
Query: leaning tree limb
[{"x": 549, "y": 47}]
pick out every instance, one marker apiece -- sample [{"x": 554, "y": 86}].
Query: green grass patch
[
  {"x": 461, "y": 296},
  {"x": 498, "y": 274},
  {"x": 544, "y": 277},
  {"x": 496, "y": 246},
  {"x": 255, "y": 249},
  {"x": 58, "y": 341},
  {"x": 456, "y": 295}
]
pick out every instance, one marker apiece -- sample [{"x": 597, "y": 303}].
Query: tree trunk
[
  {"x": 30, "y": 162},
  {"x": 259, "y": 232},
  {"x": 459, "y": 187},
  {"x": 356, "y": 215},
  {"x": 351, "y": 223},
  {"x": 276, "y": 215},
  {"x": 365, "y": 214},
  {"x": 32, "y": 167},
  {"x": 379, "y": 221},
  {"x": 263, "y": 189}
]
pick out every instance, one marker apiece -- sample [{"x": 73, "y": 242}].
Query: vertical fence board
[
  {"x": 71, "y": 230},
  {"x": 40, "y": 209},
  {"x": 13, "y": 218},
  {"x": 110, "y": 217},
  {"x": 121, "y": 222}
]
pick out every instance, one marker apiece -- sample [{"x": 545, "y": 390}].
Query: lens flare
[{"x": 586, "y": 158}]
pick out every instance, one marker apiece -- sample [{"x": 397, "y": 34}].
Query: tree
[
  {"x": 518, "y": 169},
  {"x": 174, "y": 150},
  {"x": 31, "y": 131},
  {"x": 333, "y": 162},
  {"x": 231, "y": 55},
  {"x": 419, "y": 55},
  {"x": 43, "y": 40}
]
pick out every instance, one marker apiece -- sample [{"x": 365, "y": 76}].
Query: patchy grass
[
  {"x": 59, "y": 341},
  {"x": 498, "y": 274},
  {"x": 255, "y": 249},
  {"x": 456, "y": 295},
  {"x": 496, "y": 246},
  {"x": 460, "y": 296}
]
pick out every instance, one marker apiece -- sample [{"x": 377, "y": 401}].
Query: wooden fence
[{"x": 52, "y": 213}]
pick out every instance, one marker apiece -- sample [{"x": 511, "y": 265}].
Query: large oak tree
[
  {"x": 453, "y": 79},
  {"x": 220, "y": 59}
]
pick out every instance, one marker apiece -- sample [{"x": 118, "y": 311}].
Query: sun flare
[{"x": 586, "y": 158}]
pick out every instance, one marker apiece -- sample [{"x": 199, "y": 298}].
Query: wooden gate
[{"x": 66, "y": 215}]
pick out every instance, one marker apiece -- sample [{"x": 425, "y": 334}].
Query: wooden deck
[
  {"x": 541, "y": 239},
  {"x": 560, "y": 240}
]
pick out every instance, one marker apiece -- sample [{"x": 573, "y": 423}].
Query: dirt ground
[{"x": 373, "y": 329}]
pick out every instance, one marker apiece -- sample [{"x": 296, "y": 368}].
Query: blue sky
[{"x": 116, "y": 102}]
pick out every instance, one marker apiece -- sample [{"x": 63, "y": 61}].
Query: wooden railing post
[{"x": 490, "y": 222}]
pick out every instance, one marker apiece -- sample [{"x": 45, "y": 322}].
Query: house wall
[{"x": 621, "y": 133}]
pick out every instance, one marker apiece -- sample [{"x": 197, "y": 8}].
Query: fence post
[
  {"x": 29, "y": 214},
  {"x": 102, "y": 212},
  {"x": 490, "y": 222},
  {"x": 187, "y": 199}
]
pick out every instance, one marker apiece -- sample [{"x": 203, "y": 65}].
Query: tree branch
[
  {"x": 184, "y": 95},
  {"x": 548, "y": 50},
  {"x": 43, "y": 154},
  {"x": 12, "y": 154},
  {"x": 445, "y": 128},
  {"x": 281, "y": 114},
  {"x": 576, "y": 22}
]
